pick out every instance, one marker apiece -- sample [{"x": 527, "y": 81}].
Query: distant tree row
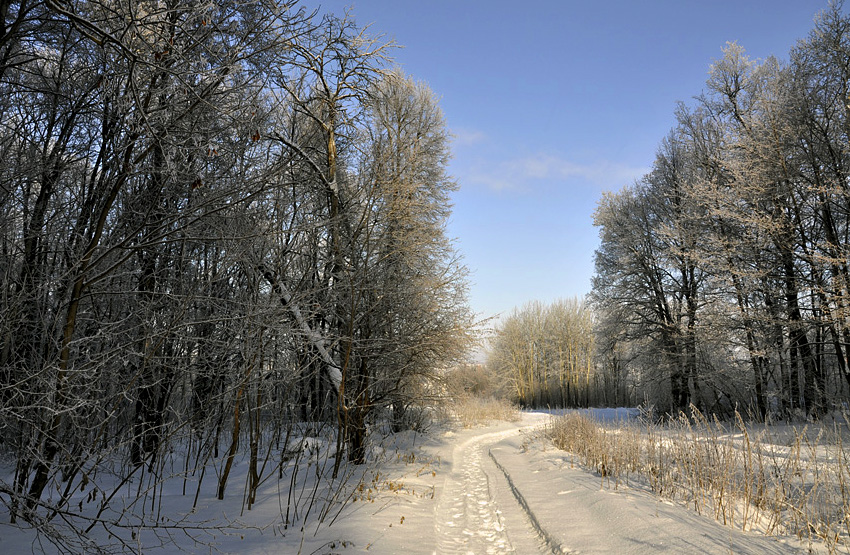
[
  {"x": 547, "y": 355},
  {"x": 216, "y": 220},
  {"x": 723, "y": 275}
]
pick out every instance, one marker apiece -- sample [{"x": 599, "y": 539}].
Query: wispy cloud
[
  {"x": 467, "y": 137},
  {"x": 530, "y": 172}
]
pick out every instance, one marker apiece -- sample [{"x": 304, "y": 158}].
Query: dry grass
[
  {"x": 473, "y": 411},
  {"x": 786, "y": 481}
]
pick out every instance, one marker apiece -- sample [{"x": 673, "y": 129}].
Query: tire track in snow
[{"x": 545, "y": 537}]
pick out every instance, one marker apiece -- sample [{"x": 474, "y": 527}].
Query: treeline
[
  {"x": 216, "y": 220},
  {"x": 723, "y": 277},
  {"x": 547, "y": 355}
]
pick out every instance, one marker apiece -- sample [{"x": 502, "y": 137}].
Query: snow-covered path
[
  {"x": 467, "y": 518},
  {"x": 473, "y": 511}
]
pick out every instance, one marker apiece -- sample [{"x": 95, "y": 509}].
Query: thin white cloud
[
  {"x": 467, "y": 137},
  {"x": 529, "y": 172}
]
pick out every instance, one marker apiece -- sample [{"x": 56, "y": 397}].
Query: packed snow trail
[{"x": 475, "y": 508}]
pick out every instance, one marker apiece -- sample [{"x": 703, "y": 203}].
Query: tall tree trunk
[{"x": 800, "y": 348}]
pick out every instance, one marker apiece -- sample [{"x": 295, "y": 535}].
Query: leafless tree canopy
[
  {"x": 722, "y": 277},
  {"x": 216, "y": 220}
]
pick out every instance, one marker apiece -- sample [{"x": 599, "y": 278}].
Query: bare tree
[
  {"x": 736, "y": 242},
  {"x": 548, "y": 354},
  {"x": 218, "y": 222}
]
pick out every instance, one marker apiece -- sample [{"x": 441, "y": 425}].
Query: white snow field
[{"x": 497, "y": 489}]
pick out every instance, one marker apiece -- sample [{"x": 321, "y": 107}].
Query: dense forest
[
  {"x": 217, "y": 220},
  {"x": 722, "y": 277}
]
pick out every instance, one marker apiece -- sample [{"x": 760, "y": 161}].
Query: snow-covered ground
[{"x": 499, "y": 489}]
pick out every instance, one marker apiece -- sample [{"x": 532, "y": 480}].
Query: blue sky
[{"x": 554, "y": 102}]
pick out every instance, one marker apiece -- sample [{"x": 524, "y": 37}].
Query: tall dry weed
[
  {"x": 788, "y": 481},
  {"x": 472, "y": 410}
]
